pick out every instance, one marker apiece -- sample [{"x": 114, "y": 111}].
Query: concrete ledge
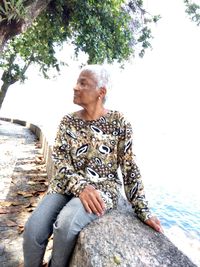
[{"x": 39, "y": 133}]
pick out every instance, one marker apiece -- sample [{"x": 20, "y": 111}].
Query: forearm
[
  {"x": 67, "y": 181},
  {"x": 134, "y": 190}
]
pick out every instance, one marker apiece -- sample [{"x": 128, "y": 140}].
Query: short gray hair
[{"x": 100, "y": 73}]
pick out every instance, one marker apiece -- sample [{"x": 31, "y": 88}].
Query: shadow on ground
[{"x": 23, "y": 182}]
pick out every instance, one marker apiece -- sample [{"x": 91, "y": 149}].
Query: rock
[
  {"x": 2, "y": 247},
  {"x": 119, "y": 238}
]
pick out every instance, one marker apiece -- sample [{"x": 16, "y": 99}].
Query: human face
[{"x": 86, "y": 91}]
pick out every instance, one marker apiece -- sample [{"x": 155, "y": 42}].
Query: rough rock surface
[{"x": 120, "y": 239}]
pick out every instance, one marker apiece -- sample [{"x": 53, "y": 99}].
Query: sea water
[{"x": 179, "y": 213}]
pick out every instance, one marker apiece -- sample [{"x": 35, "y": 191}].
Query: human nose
[{"x": 76, "y": 87}]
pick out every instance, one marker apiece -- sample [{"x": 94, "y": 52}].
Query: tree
[
  {"x": 18, "y": 16},
  {"x": 193, "y": 10},
  {"x": 105, "y": 30}
]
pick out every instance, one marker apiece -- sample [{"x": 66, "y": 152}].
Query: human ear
[{"x": 102, "y": 92}]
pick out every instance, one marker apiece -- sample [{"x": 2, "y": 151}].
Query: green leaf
[{"x": 107, "y": 31}]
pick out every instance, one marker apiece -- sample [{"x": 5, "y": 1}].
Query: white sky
[{"x": 159, "y": 94}]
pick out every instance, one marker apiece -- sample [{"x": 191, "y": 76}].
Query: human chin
[{"x": 76, "y": 100}]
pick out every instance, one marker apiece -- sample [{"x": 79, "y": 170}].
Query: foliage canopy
[
  {"x": 105, "y": 30},
  {"x": 193, "y": 10}
]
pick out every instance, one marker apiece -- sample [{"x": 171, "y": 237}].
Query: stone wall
[{"x": 46, "y": 148}]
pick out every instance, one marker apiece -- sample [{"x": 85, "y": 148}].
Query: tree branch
[{"x": 10, "y": 29}]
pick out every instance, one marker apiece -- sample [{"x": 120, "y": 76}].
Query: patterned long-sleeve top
[{"x": 90, "y": 153}]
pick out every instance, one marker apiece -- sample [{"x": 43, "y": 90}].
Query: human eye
[{"x": 82, "y": 83}]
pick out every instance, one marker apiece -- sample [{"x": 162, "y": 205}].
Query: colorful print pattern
[{"x": 90, "y": 152}]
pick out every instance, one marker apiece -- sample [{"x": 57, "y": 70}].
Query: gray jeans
[{"x": 62, "y": 215}]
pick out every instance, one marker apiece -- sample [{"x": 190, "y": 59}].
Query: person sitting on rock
[{"x": 90, "y": 146}]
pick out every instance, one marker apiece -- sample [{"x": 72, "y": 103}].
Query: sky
[{"x": 159, "y": 94}]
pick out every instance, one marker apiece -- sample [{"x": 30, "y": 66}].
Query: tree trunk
[
  {"x": 8, "y": 79},
  {"x": 12, "y": 28},
  {"x": 4, "y": 89}
]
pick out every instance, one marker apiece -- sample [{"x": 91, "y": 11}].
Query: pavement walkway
[{"x": 23, "y": 182}]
